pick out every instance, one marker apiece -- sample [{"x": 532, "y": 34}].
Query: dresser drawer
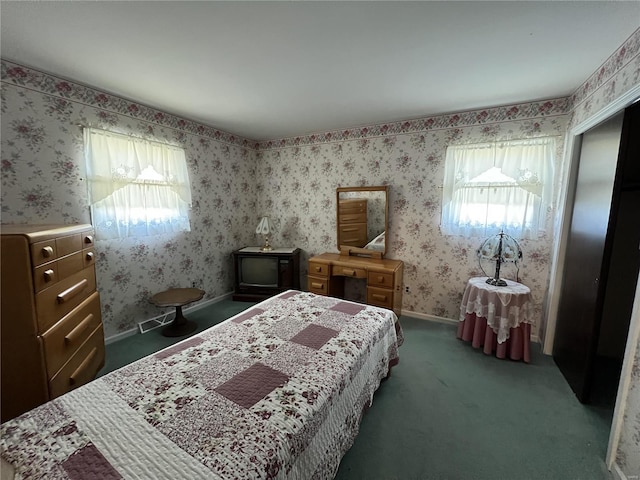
[
  {"x": 45, "y": 276},
  {"x": 82, "y": 367},
  {"x": 56, "y": 301},
  {"x": 376, "y": 279},
  {"x": 43, "y": 252},
  {"x": 69, "y": 265},
  {"x": 69, "y": 244},
  {"x": 353, "y": 218},
  {"x": 353, "y": 234},
  {"x": 50, "y": 273},
  {"x": 321, "y": 269},
  {"x": 352, "y": 206},
  {"x": 337, "y": 270},
  {"x": 51, "y": 249},
  {"x": 380, "y": 297},
  {"x": 64, "y": 338},
  {"x": 318, "y": 285}
]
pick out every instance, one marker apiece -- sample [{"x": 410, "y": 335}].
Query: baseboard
[
  {"x": 196, "y": 307},
  {"x": 120, "y": 336},
  {"x": 431, "y": 318},
  {"x": 435, "y": 318},
  {"x": 618, "y": 474},
  {"x": 211, "y": 301}
]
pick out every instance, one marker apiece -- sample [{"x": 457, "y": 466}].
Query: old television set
[{"x": 260, "y": 275}]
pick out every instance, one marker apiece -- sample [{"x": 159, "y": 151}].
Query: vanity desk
[
  {"x": 362, "y": 219},
  {"x": 383, "y": 277}
]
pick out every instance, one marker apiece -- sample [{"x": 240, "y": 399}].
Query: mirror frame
[{"x": 377, "y": 188}]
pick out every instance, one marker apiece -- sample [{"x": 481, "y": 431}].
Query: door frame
[{"x": 562, "y": 225}]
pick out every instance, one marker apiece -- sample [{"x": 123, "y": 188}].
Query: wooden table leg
[{"x": 180, "y": 325}]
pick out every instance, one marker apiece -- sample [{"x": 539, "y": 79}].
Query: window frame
[
  {"x": 137, "y": 187},
  {"x": 528, "y": 163}
]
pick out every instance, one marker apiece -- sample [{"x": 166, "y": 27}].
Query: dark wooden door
[{"x": 579, "y": 312}]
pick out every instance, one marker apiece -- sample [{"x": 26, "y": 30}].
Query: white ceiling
[{"x": 267, "y": 70}]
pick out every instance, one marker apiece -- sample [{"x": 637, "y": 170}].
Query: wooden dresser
[
  {"x": 52, "y": 336},
  {"x": 352, "y": 222},
  {"x": 383, "y": 277}
]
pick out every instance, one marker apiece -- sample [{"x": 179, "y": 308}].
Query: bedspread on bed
[{"x": 277, "y": 391}]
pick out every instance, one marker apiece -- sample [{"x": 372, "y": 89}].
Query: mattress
[{"x": 277, "y": 391}]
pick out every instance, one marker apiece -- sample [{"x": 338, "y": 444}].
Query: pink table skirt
[{"x": 517, "y": 347}]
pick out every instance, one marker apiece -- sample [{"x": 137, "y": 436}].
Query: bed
[
  {"x": 377, "y": 243},
  {"x": 277, "y": 391}
]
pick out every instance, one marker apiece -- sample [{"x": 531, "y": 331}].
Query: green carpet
[{"x": 450, "y": 412}]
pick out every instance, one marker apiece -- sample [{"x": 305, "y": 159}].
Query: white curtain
[
  {"x": 136, "y": 187},
  {"x": 498, "y": 186}
]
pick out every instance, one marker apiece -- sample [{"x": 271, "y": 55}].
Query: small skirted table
[{"x": 497, "y": 318}]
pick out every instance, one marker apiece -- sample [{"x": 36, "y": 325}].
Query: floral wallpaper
[
  {"x": 43, "y": 181},
  {"x": 617, "y": 76},
  {"x": 627, "y": 455},
  {"x": 236, "y": 180},
  {"x": 300, "y": 176}
]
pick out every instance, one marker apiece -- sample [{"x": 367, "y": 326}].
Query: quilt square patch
[
  {"x": 252, "y": 385},
  {"x": 314, "y": 336},
  {"x": 289, "y": 358},
  {"x": 88, "y": 463},
  {"x": 285, "y": 328},
  {"x": 220, "y": 369},
  {"x": 348, "y": 308},
  {"x": 167, "y": 352},
  {"x": 324, "y": 301},
  {"x": 199, "y": 426},
  {"x": 247, "y": 315}
]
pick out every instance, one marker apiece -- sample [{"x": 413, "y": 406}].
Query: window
[
  {"x": 136, "y": 187},
  {"x": 498, "y": 186}
]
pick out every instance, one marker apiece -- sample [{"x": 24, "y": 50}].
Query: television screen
[{"x": 258, "y": 271}]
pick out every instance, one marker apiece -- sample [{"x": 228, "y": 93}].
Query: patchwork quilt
[{"x": 277, "y": 391}]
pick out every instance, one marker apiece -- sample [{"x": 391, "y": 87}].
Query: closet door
[{"x": 583, "y": 285}]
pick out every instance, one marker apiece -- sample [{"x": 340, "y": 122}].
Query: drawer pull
[
  {"x": 319, "y": 286},
  {"x": 89, "y": 256},
  {"x": 318, "y": 269},
  {"x": 88, "y": 239},
  {"x": 349, "y": 272},
  {"x": 380, "y": 279},
  {"x": 79, "y": 329},
  {"x": 47, "y": 252},
  {"x": 71, "y": 292},
  {"x": 48, "y": 275},
  {"x": 73, "y": 379},
  {"x": 377, "y": 296}
]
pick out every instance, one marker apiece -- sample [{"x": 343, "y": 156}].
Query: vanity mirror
[{"x": 362, "y": 217}]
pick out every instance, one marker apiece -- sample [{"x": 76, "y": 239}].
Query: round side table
[{"x": 178, "y": 297}]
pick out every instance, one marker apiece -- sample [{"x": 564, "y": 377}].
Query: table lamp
[
  {"x": 501, "y": 248},
  {"x": 266, "y": 228}
]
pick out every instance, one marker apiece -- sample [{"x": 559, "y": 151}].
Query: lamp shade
[
  {"x": 266, "y": 228},
  {"x": 500, "y": 248}
]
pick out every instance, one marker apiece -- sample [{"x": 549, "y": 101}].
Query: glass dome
[{"x": 500, "y": 248}]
